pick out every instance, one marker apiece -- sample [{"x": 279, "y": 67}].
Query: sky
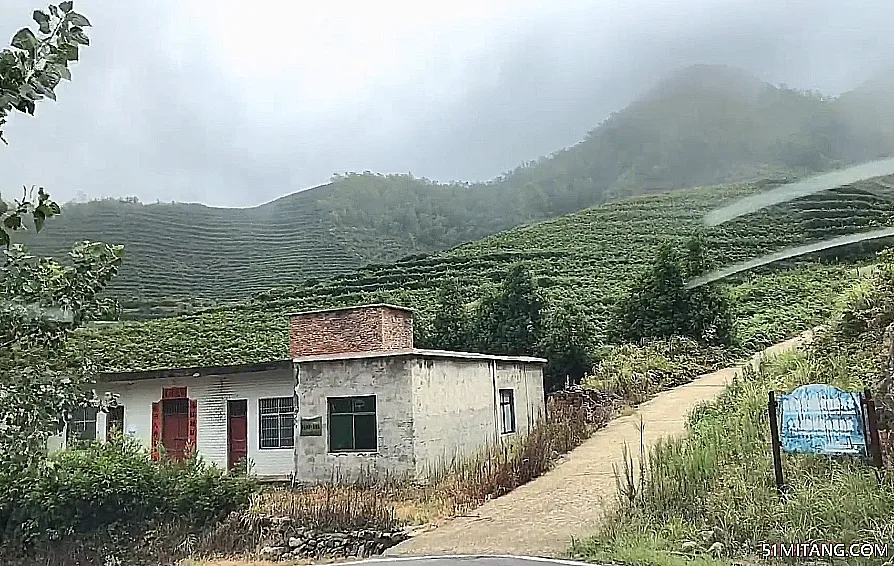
[{"x": 236, "y": 103}]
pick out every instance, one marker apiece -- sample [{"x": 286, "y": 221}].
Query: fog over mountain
[{"x": 234, "y": 104}]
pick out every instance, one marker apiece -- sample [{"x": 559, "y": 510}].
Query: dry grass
[
  {"x": 457, "y": 487},
  {"x": 354, "y": 505}
]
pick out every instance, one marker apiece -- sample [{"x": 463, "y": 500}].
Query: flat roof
[
  {"x": 195, "y": 371},
  {"x": 105, "y": 377},
  {"x": 355, "y": 307},
  {"x": 418, "y": 353}
]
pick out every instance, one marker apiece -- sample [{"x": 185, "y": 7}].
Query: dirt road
[{"x": 541, "y": 517}]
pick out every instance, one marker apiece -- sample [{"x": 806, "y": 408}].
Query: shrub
[
  {"x": 634, "y": 372},
  {"x": 332, "y": 507},
  {"x": 105, "y": 497},
  {"x": 498, "y": 470}
]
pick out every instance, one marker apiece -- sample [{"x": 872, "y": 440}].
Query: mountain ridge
[{"x": 704, "y": 125}]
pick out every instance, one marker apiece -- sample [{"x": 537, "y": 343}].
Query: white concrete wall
[
  {"x": 386, "y": 378},
  {"x": 453, "y": 411},
  {"x": 526, "y": 382},
  {"x": 212, "y": 394},
  {"x": 456, "y": 407},
  {"x": 536, "y": 394}
]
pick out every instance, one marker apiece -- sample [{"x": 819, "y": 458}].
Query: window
[
  {"x": 352, "y": 424},
  {"x": 82, "y": 425},
  {"x": 507, "y": 410},
  {"x": 277, "y": 418}
]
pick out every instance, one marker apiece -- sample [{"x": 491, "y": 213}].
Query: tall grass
[{"x": 713, "y": 491}]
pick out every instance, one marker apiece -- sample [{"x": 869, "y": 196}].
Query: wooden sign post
[
  {"x": 774, "y": 442},
  {"x": 821, "y": 419}
]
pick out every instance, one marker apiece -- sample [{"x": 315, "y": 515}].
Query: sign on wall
[
  {"x": 311, "y": 426},
  {"x": 824, "y": 420}
]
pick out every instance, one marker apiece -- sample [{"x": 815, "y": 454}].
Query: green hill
[
  {"x": 587, "y": 257},
  {"x": 704, "y": 125}
]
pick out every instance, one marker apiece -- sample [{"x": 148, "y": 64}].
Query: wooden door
[
  {"x": 237, "y": 432},
  {"x": 175, "y": 427}
]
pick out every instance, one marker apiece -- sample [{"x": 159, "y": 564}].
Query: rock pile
[{"x": 283, "y": 539}]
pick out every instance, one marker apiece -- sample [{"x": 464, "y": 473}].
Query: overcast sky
[{"x": 238, "y": 103}]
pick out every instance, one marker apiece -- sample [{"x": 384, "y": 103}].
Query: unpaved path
[{"x": 541, "y": 517}]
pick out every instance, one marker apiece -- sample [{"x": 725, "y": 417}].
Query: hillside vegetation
[
  {"x": 587, "y": 258},
  {"x": 704, "y": 125}
]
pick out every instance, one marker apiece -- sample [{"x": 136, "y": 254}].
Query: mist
[{"x": 222, "y": 103}]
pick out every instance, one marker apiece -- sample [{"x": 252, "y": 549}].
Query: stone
[
  {"x": 295, "y": 542},
  {"x": 273, "y": 551}
]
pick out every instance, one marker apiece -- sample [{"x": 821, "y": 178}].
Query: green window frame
[{"x": 352, "y": 424}]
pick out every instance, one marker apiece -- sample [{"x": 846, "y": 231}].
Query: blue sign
[{"x": 821, "y": 419}]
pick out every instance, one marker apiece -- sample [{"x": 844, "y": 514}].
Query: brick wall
[
  {"x": 397, "y": 329},
  {"x": 358, "y": 329}
]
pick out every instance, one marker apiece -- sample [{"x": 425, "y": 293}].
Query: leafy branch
[
  {"x": 35, "y": 63},
  {"x": 30, "y": 70},
  {"x": 41, "y": 300}
]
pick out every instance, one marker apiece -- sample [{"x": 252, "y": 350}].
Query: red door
[
  {"x": 237, "y": 432},
  {"x": 175, "y": 427}
]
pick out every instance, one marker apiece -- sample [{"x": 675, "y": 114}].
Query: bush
[
  {"x": 635, "y": 372},
  {"x": 332, "y": 507},
  {"x": 497, "y": 470},
  {"x": 105, "y": 497}
]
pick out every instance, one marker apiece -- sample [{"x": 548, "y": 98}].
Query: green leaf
[
  {"x": 61, "y": 70},
  {"x": 77, "y": 19},
  {"x": 43, "y": 20},
  {"x": 69, "y": 51},
  {"x": 66, "y": 6},
  {"x": 24, "y": 39},
  {"x": 4, "y": 238},
  {"x": 78, "y": 35},
  {"x": 3, "y": 206},
  {"x": 13, "y": 222},
  {"x": 54, "y": 10},
  {"x": 43, "y": 88}
]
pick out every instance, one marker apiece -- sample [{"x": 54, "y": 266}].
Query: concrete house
[{"x": 355, "y": 397}]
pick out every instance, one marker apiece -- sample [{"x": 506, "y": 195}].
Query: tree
[
  {"x": 41, "y": 300},
  {"x": 508, "y": 321},
  {"x": 567, "y": 342},
  {"x": 450, "y": 328},
  {"x": 655, "y": 306},
  {"x": 658, "y": 305}
]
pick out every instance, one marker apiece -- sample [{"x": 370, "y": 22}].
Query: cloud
[{"x": 235, "y": 104}]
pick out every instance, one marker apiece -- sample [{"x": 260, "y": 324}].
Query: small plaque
[{"x": 311, "y": 426}]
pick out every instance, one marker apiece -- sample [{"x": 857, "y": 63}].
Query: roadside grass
[{"x": 711, "y": 497}]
